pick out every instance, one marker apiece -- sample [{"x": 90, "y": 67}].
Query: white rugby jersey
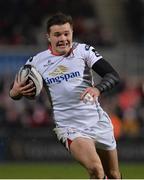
[{"x": 66, "y": 78}]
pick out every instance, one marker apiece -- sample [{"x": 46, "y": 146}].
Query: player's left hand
[{"x": 94, "y": 92}]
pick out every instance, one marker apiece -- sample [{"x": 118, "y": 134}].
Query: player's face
[{"x": 60, "y": 37}]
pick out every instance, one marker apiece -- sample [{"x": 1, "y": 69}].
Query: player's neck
[{"x": 53, "y": 53}]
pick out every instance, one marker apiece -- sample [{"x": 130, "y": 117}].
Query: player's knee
[
  {"x": 114, "y": 174},
  {"x": 96, "y": 171}
]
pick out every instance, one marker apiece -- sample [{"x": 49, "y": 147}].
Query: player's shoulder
[
  {"x": 39, "y": 56},
  {"x": 83, "y": 46},
  {"x": 87, "y": 51},
  {"x": 83, "y": 49},
  {"x": 42, "y": 54},
  {"x": 79, "y": 45}
]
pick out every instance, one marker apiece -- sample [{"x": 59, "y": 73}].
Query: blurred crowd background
[{"x": 115, "y": 28}]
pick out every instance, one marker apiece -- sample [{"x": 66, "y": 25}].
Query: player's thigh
[
  {"x": 83, "y": 150},
  {"x": 109, "y": 160}
]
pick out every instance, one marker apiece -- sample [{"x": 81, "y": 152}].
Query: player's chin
[{"x": 63, "y": 51}]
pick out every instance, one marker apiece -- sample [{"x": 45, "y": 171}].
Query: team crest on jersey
[
  {"x": 59, "y": 71},
  {"x": 61, "y": 74}
]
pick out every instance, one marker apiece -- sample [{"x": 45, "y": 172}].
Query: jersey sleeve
[
  {"x": 32, "y": 60},
  {"x": 90, "y": 55}
]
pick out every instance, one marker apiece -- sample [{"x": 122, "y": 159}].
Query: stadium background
[{"x": 28, "y": 146}]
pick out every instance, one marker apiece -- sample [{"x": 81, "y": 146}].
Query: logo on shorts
[{"x": 71, "y": 131}]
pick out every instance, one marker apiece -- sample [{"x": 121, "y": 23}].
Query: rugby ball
[{"x": 29, "y": 72}]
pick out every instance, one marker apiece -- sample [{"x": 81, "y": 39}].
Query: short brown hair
[{"x": 59, "y": 19}]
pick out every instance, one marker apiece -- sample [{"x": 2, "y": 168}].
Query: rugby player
[{"x": 85, "y": 129}]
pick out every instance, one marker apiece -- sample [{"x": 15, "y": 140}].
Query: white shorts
[{"x": 104, "y": 139}]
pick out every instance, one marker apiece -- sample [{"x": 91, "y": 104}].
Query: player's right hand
[
  {"x": 92, "y": 91},
  {"x": 25, "y": 88}
]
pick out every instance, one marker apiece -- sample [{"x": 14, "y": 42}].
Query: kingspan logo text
[{"x": 63, "y": 77}]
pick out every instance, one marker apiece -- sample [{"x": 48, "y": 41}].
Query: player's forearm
[
  {"x": 110, "y": 77},
  {"x": 108, "y": 82}
]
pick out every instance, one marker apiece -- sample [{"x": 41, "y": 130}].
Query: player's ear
[{"x": 48, "y": 38}]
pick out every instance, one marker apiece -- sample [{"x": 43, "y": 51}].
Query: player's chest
[{"x": 60, "y": 66}]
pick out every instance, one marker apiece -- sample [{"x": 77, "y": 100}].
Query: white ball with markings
[{"x": 30, "y": 73}]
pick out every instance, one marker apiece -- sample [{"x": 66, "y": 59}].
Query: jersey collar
[{"x": 50, "y": 48}]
